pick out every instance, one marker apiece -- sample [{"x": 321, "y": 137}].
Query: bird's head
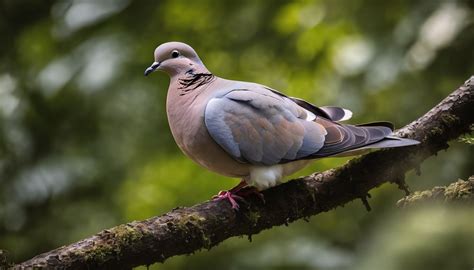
[{"x": 175, "y": 58}]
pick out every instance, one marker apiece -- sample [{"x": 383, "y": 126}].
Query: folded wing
[{"x": 262, "y": 127}]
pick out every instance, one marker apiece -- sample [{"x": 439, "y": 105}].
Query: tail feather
[
  {"x": 387, "y": 142},
  {"x": 337, "y": 114},
  {"x": 377, "y": 124},
  {"x": 346, "y": 139}
]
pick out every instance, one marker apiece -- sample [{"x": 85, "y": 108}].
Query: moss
[
  {"x": 99, "y": 254},
  {"x": 192, "y": 218},
  {"x": 350, "y": 163},
  {"x": 206, "y": 241},
  {"x": 195, "y": 220},
  {"x": 458, "y": 191},
  {"x": 127, "y": 234},
  {"x": 436, "y": 131},
  {"x": 467, "y": 138},
  {"x": 415, "y": 197},
  {"x": 113, "y": 241},
  {"x": 449, "y": 119},
  {"x": 4, "y": 260},
  {"x": 254, "y": 217}
]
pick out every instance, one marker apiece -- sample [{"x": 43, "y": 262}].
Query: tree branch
[
  {"x": 460, "y": 191},
  {"x": 185, "y": 230}
]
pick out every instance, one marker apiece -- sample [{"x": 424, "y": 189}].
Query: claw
[
  {"x": 231, "y": 197},
  {"x": 242, "y": 189}
]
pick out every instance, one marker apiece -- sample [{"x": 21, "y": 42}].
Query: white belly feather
[{"x": 263, "y": 177}]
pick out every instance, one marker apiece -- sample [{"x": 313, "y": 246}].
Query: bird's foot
[
  {"x": 235, "y": 195},
  {"x": 230, "y": 196}
]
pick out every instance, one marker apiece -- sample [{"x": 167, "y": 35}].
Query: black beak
[{"x": 152, "y": 68}]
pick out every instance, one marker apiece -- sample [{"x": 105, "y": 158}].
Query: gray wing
[
  {"x": 332, "y": 113},
  {"x": 262, "y": 128}
]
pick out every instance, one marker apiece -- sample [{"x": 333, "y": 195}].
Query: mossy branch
[
  {"x": 4, "y": 260},
  {"x": 185, "y": 230},
  {"x": 460, "y": 191}
]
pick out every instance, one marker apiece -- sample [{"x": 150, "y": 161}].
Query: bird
[{"x": 251, "y": 131}]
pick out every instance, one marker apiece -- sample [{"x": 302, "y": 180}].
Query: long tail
[
  {"x": 346, "y": 139},
  {"x": 388, "y": 141}
]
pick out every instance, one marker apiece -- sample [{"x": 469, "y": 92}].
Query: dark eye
[{"x": 174, "y": 54}]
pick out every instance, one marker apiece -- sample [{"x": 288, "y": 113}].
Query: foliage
[{"x": 84, "y": 141}]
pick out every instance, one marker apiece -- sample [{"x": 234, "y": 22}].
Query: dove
[{"x": 253, "y": 132}]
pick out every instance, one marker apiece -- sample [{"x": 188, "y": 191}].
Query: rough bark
[
  {"x": 4, "y": 261},
  {"x": 186, "y": 230},
  {"x": 460, "y": 191}
]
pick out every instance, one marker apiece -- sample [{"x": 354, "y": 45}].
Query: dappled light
[{"x": 85, "y": 143}]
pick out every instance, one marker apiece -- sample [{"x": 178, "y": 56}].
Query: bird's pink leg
[
  {"x": 231, "y": 195},
  {"x": 237, "y": 193},
  {"x": 239, "y": 187}
]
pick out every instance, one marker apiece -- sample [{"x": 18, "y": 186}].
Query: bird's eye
[{"x": 174, "y": 54}]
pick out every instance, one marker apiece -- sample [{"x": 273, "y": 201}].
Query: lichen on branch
[{"x": 460, "y": 191}]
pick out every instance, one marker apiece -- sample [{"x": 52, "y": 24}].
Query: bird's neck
[
  {"x": 185, "y": 93},
  {"x": 191, "y": 81}
]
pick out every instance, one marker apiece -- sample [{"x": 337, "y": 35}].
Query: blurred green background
[{"x": 85, "y": 144}]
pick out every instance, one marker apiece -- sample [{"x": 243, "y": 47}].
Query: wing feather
[{"x": 262, "y": 128}]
